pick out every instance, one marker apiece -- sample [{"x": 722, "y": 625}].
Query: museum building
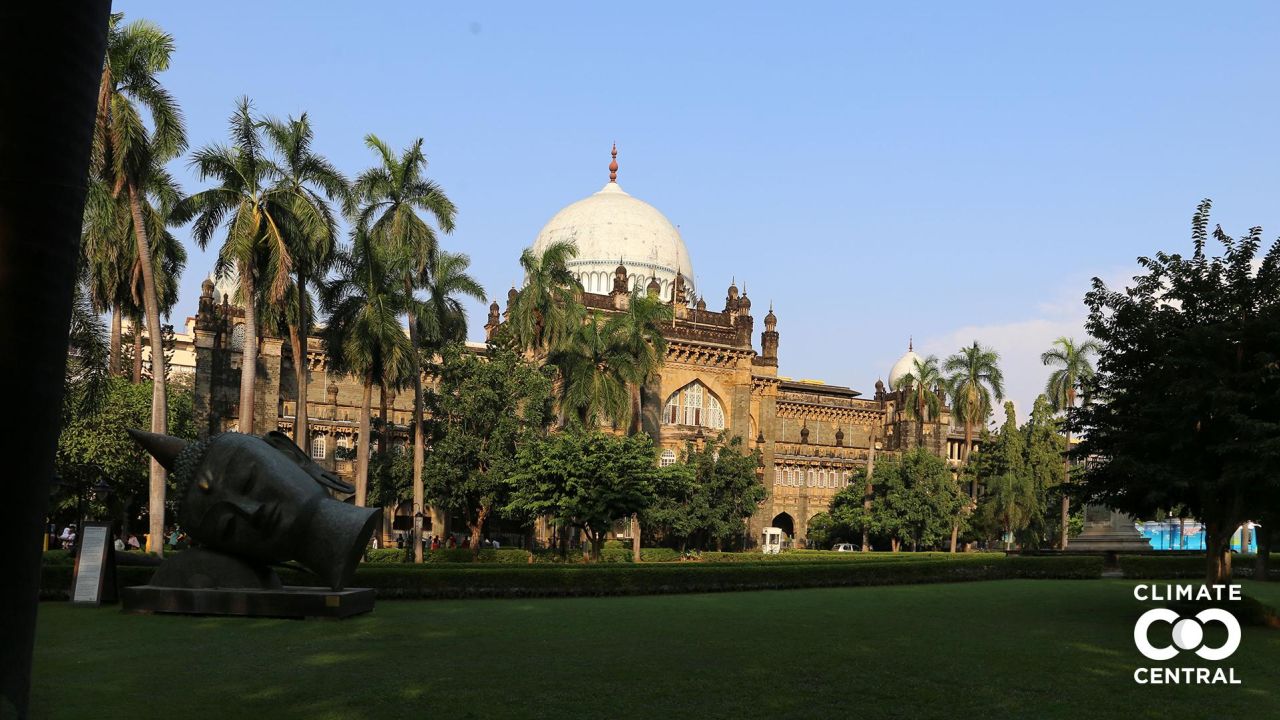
[{"x": 718, "y": 375}]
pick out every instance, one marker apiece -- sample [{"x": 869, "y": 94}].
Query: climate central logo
[{"x": 1186, "y": 634}]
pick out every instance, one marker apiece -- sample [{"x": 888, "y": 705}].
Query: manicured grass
[{"x": 1016, "y": 648}]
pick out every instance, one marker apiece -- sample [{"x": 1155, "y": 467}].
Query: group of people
[
  {"x": 449, "y": 543},
  {"x": 174, "y": 537}
]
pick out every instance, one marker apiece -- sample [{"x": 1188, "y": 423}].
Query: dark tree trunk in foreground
[
  {"x": 1262, "y": 565},
  {"x": 137, "y": 350},
  {"x": 301, "y": 426},
  {"x": 44, "y": 160},
  {"x": 1218, "y": 552}
]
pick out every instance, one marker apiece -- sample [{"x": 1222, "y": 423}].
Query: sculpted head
[{"x": 263, "y": 499}]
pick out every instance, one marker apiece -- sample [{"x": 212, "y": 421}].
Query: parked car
[{"x": 845, "y": 547}]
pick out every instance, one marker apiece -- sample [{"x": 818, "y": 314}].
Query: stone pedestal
[
  {"x": 287, "y": 602},
  {"x": 1108, "y": 531}
]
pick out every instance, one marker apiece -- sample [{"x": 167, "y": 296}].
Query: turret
[
  {"x": 491, "y": 326},
  {"x": 769, "y": 339}
]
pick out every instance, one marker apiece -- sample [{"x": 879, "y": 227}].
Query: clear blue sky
[{"x": 944, "y": 171}]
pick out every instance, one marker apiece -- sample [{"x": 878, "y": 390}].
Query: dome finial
[
  {"x": 613, "y": 164},
  {"x": 911, "y": 344}
]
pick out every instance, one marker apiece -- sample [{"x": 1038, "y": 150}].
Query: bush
[
  {"x": 1151, "y": 567},
  {"x": 386, "y": 555},
  {"x": 396, "y": 580},
  {"x": 659, "y": 555},
  {"x": 59, "y": 557},
  {"x": 486, "y": 555}
]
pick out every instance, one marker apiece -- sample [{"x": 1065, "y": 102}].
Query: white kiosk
[{"x": 771, "y": 541}]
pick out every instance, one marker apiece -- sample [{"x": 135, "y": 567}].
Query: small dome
[{"x": 905, "y": 365}]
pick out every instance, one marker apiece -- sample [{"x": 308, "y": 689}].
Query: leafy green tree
[
  {"x": 390, "y": 195},
  {"x": 1045, "y": 447},
  {"x": 482, "y": 411},
  {"x": 822, "y": 531},
  {"x": 1010, "y": 501},
  {"x": 973, "y": 381},
  {"x": 548, "y": 309},
  {"x": 1073, "y": 370},
  {"x": 1186, "y": 402},
  {"x": 678, "y": 507},
  {"x": 726, "y": 475},
  {"x": 93, "y": 446},
  {"x": 126, "y": 153},
  {"x": 390, "y": 478},
  {"x": 851, "y": 507},
  {"x": 585, "y": 479},
  {"x": 640, "y": 332},
  {"x": 915, "y": 499},
  {"x": 306, "y": 186},
  {"x": 364, "y": 336}
]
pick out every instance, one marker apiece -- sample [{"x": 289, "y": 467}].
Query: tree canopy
[{"x": 1186, "y": 400}]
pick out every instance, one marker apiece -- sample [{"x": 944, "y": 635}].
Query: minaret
[
  {"x": 492, "y": 325},
  {"x": 769, "y": 339}
]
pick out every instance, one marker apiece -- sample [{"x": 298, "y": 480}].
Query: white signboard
[{"x": 91, "y": 564}]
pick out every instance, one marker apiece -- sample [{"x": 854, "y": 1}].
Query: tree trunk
[
  {"x": 1066, "y": 500},
  {"x": 866, "y": 494},
  {"x": 1182, "y": 532},
  {"x": 1262, "y": 564},
  {"x": 1218, "y": 552},
  {"x": 44, "y": 154},
  {"x": 476, "y": 529},
  {"x": 955, "y": 536},
  {"x": 635, "y": 538},
  {"x": 137, "y": 349},
  {"x": 113, "y": 363},
  {"x": 159, "y": 396},
  {"x": 362, "y": 446},
  {"x": 298, "y": 334},
  {"x": 968, "y": 449},
  {"x": 382, "y": 415},
  {"x": 249, "y": 354},
  {"x": 418, "y": 440}
]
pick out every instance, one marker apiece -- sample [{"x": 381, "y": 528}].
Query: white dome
[
  {"x": 906, "y": 365},
  {"x": 611, "y": 227}
]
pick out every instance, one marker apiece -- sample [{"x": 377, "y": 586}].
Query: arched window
[
  {"x": 822, "y": 478},
  {"x": 318, "y": 447},
  {"x": 813, "y": 477},
  {"x": 777, "y": 476},
  {"x": 668, "y": 458},
  {"x": 694, "y": 405}
]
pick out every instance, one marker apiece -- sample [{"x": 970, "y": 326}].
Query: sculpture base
[{"x": 289, "y": 602}]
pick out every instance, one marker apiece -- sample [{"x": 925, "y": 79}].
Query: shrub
[
  {"x": 659, "y": 555},
  {"x": 444, "y": 580},
  {"x": 386, "y": 555},
  {"x": 1150, "y": 567}
]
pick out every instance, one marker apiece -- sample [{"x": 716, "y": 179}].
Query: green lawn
[{"x": 1017, "y": 648}]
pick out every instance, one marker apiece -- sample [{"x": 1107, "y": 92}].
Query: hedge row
[
  {"x": 1173, "y": 567},
  {"x": 395, "y": 581}
]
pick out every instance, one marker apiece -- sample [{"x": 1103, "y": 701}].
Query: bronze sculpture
[{"x": 249, "y": 502}]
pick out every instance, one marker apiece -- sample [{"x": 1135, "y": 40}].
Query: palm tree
[
  {"x": 640, "y": 331},
  {"x": 307, "y": 185},
  {"x": 1073, "y": 370},
  {"x": 390, "y": 195},
  {"x": 548, "y": 308},
  {"x": 255, "y": 246},
  {"x": 125, "y": 154},
  {"x": 597, "y": 369},
  {"x": 441, "y": 317},
  {"x": 974, "y": 381},
  {"x": 364, "y": 336},
  {"x": 921, "y": 390}
]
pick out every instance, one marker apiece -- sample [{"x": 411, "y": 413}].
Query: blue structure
[{"x": 1167, "y": 535}]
